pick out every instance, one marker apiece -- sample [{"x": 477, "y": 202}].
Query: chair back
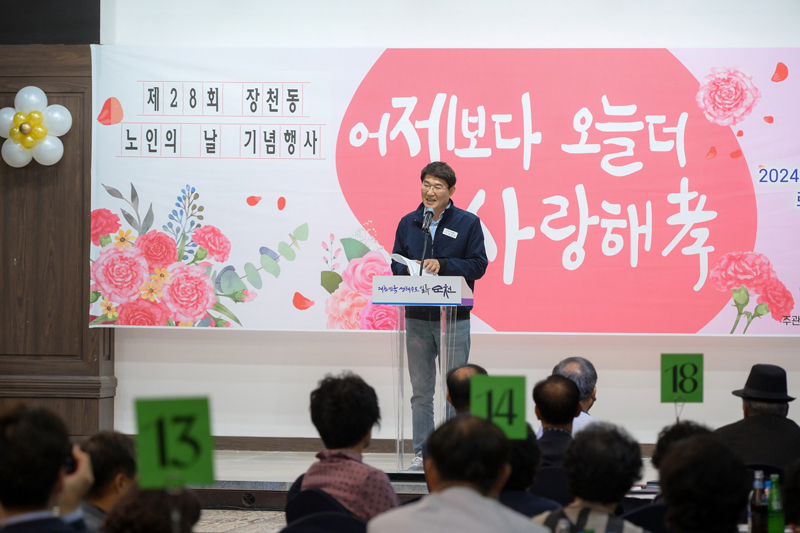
[
  {"x": 312, "y": 501},
  {"x": 327, "y": 523},
  {"x": 649, "y": 517},
  {"x": 551, "y": 482}
]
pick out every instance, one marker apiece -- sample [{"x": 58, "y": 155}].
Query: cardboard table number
[
  {"x": 174, "y": 445},
  {"x": 500, "y": 399},
  {"x": 681, "y": 377}
]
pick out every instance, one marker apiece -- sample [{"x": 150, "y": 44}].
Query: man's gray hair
[
  {"x": 581, "y": 371},
  {"x": 754, "y": 407}
]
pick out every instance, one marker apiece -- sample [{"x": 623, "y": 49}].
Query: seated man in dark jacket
[
  {"x": 764, "y": 435},
  {"x": 36, "y": 459},
  {"x": 525, "y": 459},
  {"x": 557, "y": 402}
]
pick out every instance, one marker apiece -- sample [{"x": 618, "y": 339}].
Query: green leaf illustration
[
  {"x": 354, "y": 248},
  {"x": 94, "y": 296},
  {"x": 253, "y": 277},
  {"x": 286, "y": 251},
  {"x": 181, "y": 247},
  {"x": 148, "y": 220},
  {"x": 270, "y": 265},
  {"x": 130, "y": 219},
  {"x": 134, "y": 198},
  {"x": 229, "y": 282},
  {"x": 105, "y": 240},
  {"x": 102, "y": 319},
  {"x": 330, "y": 280},
  {"x": 170, "y": 322},
  {"x": 301, "y": 233},
  {"x": 113, "y": 192},
  {"x": 221, "y": 309}
]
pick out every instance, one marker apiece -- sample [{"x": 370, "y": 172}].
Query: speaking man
[{"x": 452, "y": 242}]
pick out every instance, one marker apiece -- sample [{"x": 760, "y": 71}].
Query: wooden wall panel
[{"x": 48, "y": 355}]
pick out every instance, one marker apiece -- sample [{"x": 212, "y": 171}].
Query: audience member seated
[
  {"x": 38, "y": 470},
  {"x": 791, "y": 496},
  {"x": 705, "y": 486},
  {"x": 458, "y": 395},
  {"x": 344, "y": 409},
  {"x": 668, "y": 437},
  {"x": 602, "y": 464},
  {"x": 557, "y": 402},
  {"x": 525, "y": 458},
  {"x": 765, "y": 435},
  {"x": 467, "y": 467},
  {"x": 154, "y": 511},
  {"x": 114, "y": 466},
  {"x": 582, "y": 372}
]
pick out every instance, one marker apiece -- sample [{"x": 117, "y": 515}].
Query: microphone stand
[{"x": 424, "y": 249}]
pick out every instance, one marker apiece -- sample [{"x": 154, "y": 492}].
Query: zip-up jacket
[{"x": 458, "y": 246}]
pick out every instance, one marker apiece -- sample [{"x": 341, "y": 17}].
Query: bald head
[{"x": 458, "y": 388}]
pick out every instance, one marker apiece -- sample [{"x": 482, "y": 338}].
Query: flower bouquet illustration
[
  {"x": 177, "y": 276},
  {"x": 747, "y": 274}
]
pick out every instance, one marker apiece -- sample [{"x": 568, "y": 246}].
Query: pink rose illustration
[
  {"x": 212, "y": 239},
  {"x": 778, "y": 299},
  {"x": 143, "y": 313},
  {"x": 343, "y": 308},
  {"x": 382, "y": 317},
  {"x": 188, "y": 292},
  {"x": 158, "y": 249},
  {"x": 727, "y": 96},
  {"x": 104, "y": 222},
  {"x": 119, "y": 272},
  {"x": 735, "y": 269},
  {"x": 359, "y": 272}
]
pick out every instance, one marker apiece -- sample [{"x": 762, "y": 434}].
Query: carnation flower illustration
[
  {"x": 727, "y": 96},
  {"x": 147, "y": 277},
  {"x": 744, "y": 273}
]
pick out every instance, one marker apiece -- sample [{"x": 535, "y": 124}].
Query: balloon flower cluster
[{"x": 32, "y": 129}]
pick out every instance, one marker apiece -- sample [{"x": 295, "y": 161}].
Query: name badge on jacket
[{"x": 450, "y": 233}]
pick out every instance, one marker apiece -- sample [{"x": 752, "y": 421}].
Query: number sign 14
[
  {"x": 174, "y": 445},
  {"x": 681, "y": 377},
  {"x": 500, "y": 399}
]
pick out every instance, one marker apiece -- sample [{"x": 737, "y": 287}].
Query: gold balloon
[
  {"x": 28, "y": 142},
  {"x": 35, "y": 118},
  {"x": 39, "y": 132},
  {"x": 19, "y": 118},
  {"x": 15, "y": 135},
  {"x": 25, "y": 128}
]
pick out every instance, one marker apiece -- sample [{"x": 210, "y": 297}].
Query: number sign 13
[
  {"x": 681, "y": 377},
  {"x": 500, "y": 399},
  {"x": 174, "y": 445}
]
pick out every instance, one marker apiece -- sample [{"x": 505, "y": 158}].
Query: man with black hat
[{"x": 765, "y": 435}]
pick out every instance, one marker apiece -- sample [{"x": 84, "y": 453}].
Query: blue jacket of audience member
[{"x": 457, "y": 245}]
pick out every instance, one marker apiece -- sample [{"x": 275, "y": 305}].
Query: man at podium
[{"x": 451, "y": 240}]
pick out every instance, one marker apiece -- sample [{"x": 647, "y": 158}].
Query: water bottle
[{"x": 758, "y": 505}]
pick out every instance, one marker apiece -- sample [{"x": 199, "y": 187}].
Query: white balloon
[
  {"x": 6, "y": 120},
  {"x": 48, "y": 151},
  {"x": 57, "y": 120},
  {"x": 30, "y": 98},
  {"x": 15, "y": 155}
]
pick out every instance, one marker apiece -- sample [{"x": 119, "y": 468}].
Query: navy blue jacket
[{"x": 463, "y": 255}]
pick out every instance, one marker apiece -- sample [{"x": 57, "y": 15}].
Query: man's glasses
[{"x": 437, "y": 187}]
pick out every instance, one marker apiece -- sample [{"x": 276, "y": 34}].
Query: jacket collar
[{"x": 420, "y": 212}]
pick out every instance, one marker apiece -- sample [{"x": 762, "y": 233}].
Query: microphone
[{"x": 426, "y": 222}]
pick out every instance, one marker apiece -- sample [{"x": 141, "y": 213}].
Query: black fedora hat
[{"x": 766, "y": 383}]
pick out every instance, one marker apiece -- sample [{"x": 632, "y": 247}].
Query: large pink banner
[{"x": 621, "y": 190}]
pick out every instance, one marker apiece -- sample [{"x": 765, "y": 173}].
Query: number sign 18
[
  {"x": 681, "y": 378},
  {"x": 174, "y": 445},
  {"x": 500, "y": 399}
]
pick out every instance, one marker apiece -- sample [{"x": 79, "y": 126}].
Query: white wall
[{"x": 259, "y": 382}]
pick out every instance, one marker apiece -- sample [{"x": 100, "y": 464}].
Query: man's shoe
[{"x": 416, "y": 464}]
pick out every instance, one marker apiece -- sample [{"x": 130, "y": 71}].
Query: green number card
[
  {"x": 681, "y": 377},
  {"x": 500, "y": 399},
  {"x": 174, "y": 445}
]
